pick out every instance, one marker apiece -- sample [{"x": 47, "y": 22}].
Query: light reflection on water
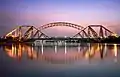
[
  {"x": 65, "y": 54},
  {"x": 84, "y": 60}
]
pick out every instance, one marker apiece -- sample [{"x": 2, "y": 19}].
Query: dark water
[{"x": 87, "y": 60}]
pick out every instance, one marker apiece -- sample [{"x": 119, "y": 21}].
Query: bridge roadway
[{"x": 67, "y": 39}]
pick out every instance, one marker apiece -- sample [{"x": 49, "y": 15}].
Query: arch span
[
  {"x": 31, "y": 32},
  {"x": 61, "y": 24}
]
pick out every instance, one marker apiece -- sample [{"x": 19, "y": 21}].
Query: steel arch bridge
[{"x": 30, "y": 32}]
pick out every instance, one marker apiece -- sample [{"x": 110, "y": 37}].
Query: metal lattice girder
[
  {"x": 107, "y": 31},
  {"x": 36, "y": 33},
  {"x": 89, "y": 32},
  {"x": 101, "y": 32},
  {"x": 11, "y": 33},
  {"x": 61, "y": 24},
  {"x": 93, "y": 32},
  {"x": 82, "y": 33},
  {"x": 42, "y": 35},
  {"x": 32, "y": 32},
  {"x": 28, "y": 33},
  {"x": 78, "y": 35}
]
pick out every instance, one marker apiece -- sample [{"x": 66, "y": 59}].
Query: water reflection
[{"x": 62, "y": 54}]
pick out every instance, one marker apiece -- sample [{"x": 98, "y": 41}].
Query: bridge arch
[
  {"x": 30, "y": 32},
  {"x": 78, "y": 27}
]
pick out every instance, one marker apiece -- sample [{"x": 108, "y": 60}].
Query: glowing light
[
  {"x": 79, "y": 47},
  {"x": 115, "y": 50},
  {"x": 55, "y": 48},
  {"x": 42, "y": 48},
  {"x": 87, "y": 55},
  {"x": 65, "y": 36},
  {"x": 115, "y": 35},
  {"x": 65, "y": 48},
  {"x": 105, "y": 49}
]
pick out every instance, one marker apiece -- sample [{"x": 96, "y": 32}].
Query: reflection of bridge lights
[
  {"x": 65, "y": 47},
  {"x": 92, "y": 51},
  {"x": 42, "y": 48},
  {"x": 17, "y": 51},
  {"x": 115, "y": 50},
  {"x": 87, "y": 55},
  {"x": 65, "y": 50},
  {"x": 10, "y": 52},
  {"x": 105, "y": 49},
  {"x": 13, "y": 50},
  {"x": 55, "y": 48},
  {"x": 79, "y": 47}
]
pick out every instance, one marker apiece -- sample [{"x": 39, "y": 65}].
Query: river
[{"x": 83, "y": 60}]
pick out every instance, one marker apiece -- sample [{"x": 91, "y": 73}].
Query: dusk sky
[{"x": 40, "y": 12}]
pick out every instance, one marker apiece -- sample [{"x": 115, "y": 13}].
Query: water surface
[{"x": 84, "y": 60}]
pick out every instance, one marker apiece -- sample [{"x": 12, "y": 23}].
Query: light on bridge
[
  {"x": 65, "y": 36},
  {"x": 115, "y": 35}
]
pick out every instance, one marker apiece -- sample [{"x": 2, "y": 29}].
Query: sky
[{"x": 41, "y": 12}]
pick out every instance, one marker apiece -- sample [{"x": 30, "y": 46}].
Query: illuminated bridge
[{"x": 27, "y": 32}]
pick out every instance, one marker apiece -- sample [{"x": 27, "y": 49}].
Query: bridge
[{"x": 27, "y": 32}]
